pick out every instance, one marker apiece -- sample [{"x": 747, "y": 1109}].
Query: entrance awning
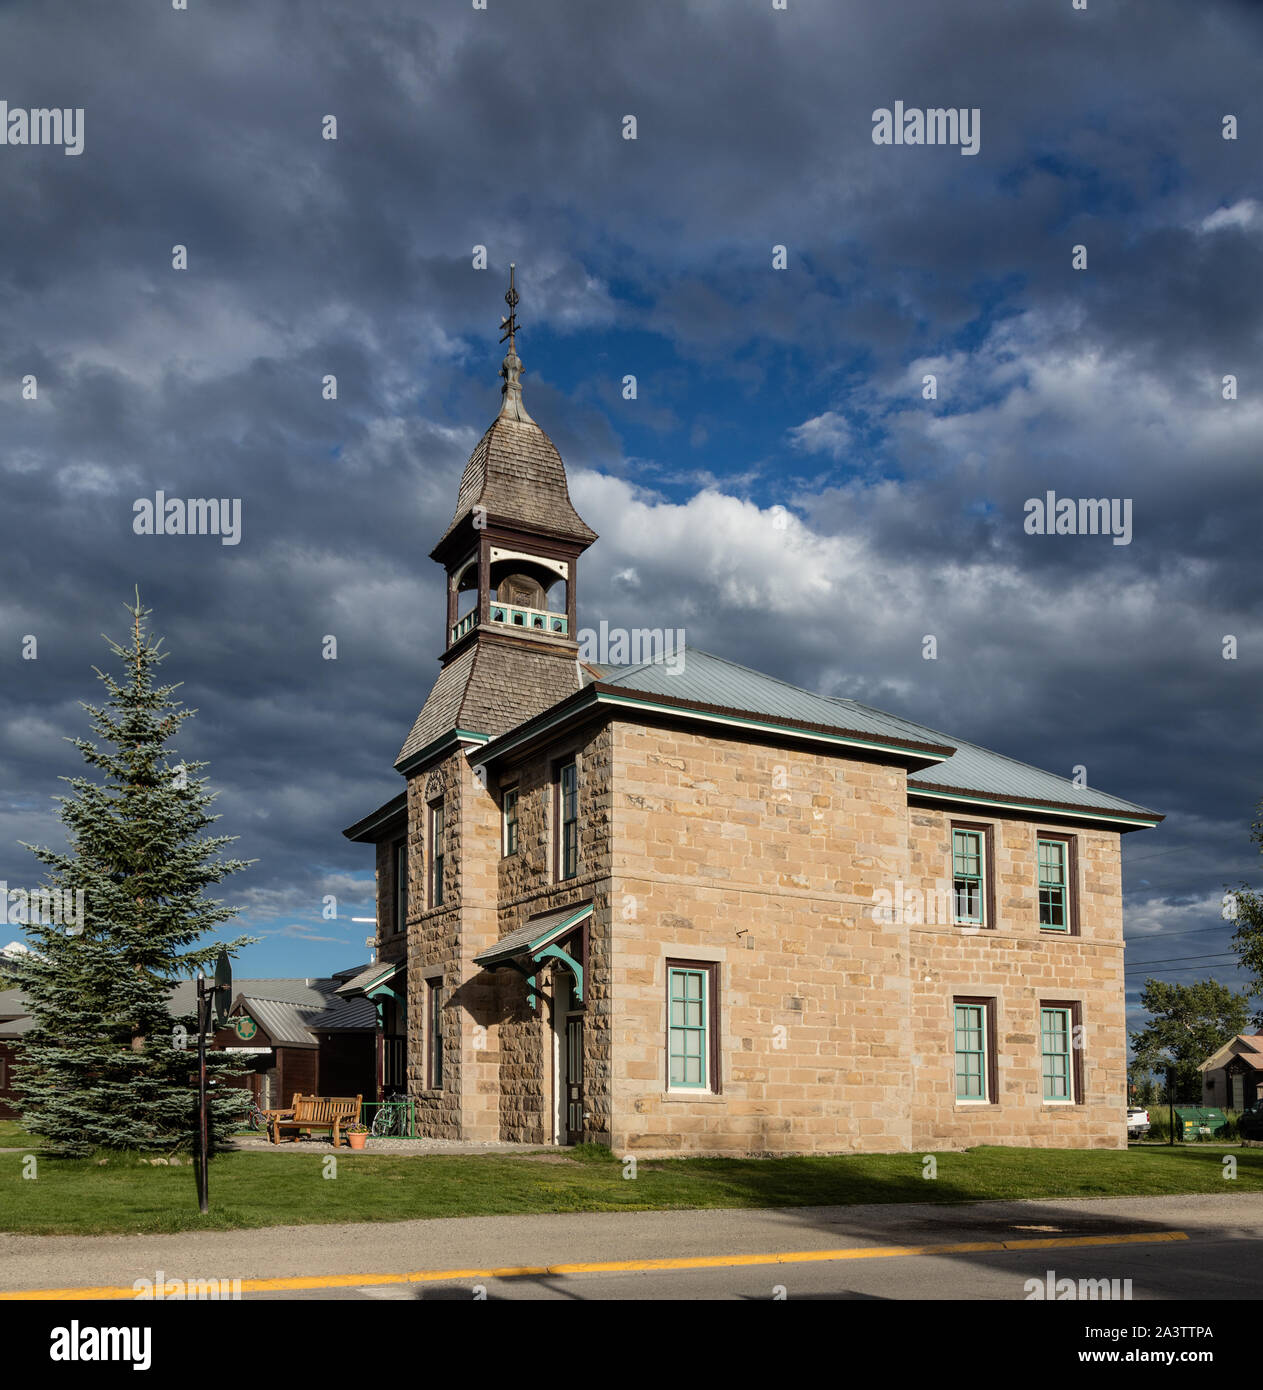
[
  {"x": 372, "y": 982},
  {"x": 537, "y": 941}
]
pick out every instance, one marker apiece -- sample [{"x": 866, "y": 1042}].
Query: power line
[
  {"x": 1167, "y": 935},
  {"x": 1181, "y": 969},
  {"x": 1162, "y": 960},
  {"x": 1178, "y": 849}
]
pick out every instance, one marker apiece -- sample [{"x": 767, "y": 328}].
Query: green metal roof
[
  {"x": 969, "y": 772},
  {"x": 370, "y": 978},
  {"x": 712, "y": 680},
  {"x": 538, "y": 932}
]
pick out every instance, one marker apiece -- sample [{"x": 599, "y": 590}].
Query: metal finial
[
  {"x": 509, "y": 324},
  {"x": 511, "y": 369}
]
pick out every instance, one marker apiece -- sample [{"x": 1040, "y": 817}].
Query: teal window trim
[
  {"x": 689, "y": 1005},
  {"x": 510, "y": 821},
  {"x": 1054, "y": 886},
  {"x": 568, "y": 820},
  {"x": 969, "y": 877},
  {"x": 1056, "y": 1034},
  {"x": 972, "y": 1047},
  {"x": 438, "y": 824}
]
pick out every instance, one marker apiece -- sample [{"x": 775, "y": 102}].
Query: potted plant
[{"x": 357, "y": 1136}]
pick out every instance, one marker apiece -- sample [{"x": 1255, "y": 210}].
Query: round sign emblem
[{"x": 245, "y": 1028}]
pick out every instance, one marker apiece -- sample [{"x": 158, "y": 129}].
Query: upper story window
[
  {"x": 399, "y": 851},
  {"x": 1056, "y": 883},
  {"x": 969, "y": 876},
  {"x": 510, "y": 821},
  {"x": 437, "y": 822},
  {"x": 567, "y": 820}
]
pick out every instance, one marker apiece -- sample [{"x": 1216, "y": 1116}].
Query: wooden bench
[{"x": 317, "y": 1113}]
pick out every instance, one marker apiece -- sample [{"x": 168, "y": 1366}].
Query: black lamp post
[{"x": 220, "y": 995}]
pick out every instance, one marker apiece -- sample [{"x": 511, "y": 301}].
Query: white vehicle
[{"x": 1137, "y": 1123}]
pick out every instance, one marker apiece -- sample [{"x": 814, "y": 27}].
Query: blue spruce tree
[{"x": 105, "y": 1064}]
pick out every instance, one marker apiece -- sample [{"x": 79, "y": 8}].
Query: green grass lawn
[
  {"x": 263, "y": 1189},
  {"x": 12, "y": 1134}
]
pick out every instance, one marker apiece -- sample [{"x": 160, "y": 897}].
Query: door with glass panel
[{"x": 574, "y": 1079}]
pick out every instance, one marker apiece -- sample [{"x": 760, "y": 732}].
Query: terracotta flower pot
[{"x": 357, "y": 1141}]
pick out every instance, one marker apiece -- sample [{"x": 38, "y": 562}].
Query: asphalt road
[
  {"x": 1205, "y": 1268},
  {"x": 1200, "y": 1247}
]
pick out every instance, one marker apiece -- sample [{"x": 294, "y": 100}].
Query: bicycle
[{"x": 391, "y": 1117}]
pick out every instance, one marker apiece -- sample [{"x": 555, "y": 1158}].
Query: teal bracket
[{"x": 566, "y": 959}]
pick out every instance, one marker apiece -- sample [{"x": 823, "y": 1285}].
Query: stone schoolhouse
[{"x": 683, "y": 907}]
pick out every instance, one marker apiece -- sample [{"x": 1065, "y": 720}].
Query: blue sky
[{"x": 757, "y": 388}]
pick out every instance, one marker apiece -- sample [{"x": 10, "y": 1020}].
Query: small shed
[{"x": 1232, "y": 1077}]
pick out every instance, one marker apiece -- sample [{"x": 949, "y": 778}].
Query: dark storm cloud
[{"x": 502, "y": 128}]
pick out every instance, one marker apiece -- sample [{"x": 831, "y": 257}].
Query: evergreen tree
[{"x": 105, "y": 1064}]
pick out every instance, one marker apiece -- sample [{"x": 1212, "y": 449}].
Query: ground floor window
[
  {"x": 692, "y": 1026},
  {"x": 1059, "y": 1051},
  {"x": 1054, "y": 1037},
  {"x": 434, "y": 1035},
  {"x": 974, "y": 1040}
]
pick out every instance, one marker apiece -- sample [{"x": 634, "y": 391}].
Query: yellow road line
[{"x": 783, "y": 1257}]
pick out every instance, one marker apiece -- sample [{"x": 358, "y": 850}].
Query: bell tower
[
  {"x": 511, "y": 551},
  {"x": 510, "y": 554}
]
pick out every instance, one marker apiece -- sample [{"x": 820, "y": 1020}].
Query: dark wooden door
[{"x": 574, "y": 1079}]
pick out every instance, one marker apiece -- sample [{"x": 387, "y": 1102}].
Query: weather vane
[{"x": 509, "y": 323}]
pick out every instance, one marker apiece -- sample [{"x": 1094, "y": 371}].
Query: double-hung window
[
  {"x": 692, "y": 1049},
  {"x": 973, "y": 1027},
  {"x": 568, "y": 821},
  {"x": 1054, "y": 884},
  {"x": 437, "y": 821},
  {"x": 969, "y": 883},
  {"x": 1056, "y": 1031},
  {"x": 510, "y": 821}
]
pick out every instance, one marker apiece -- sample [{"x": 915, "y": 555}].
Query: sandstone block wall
[
  {"x": 1019, "y": 965},
  {"x": 528, "y": 886},
  {"x": 765, "y": 860}
]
